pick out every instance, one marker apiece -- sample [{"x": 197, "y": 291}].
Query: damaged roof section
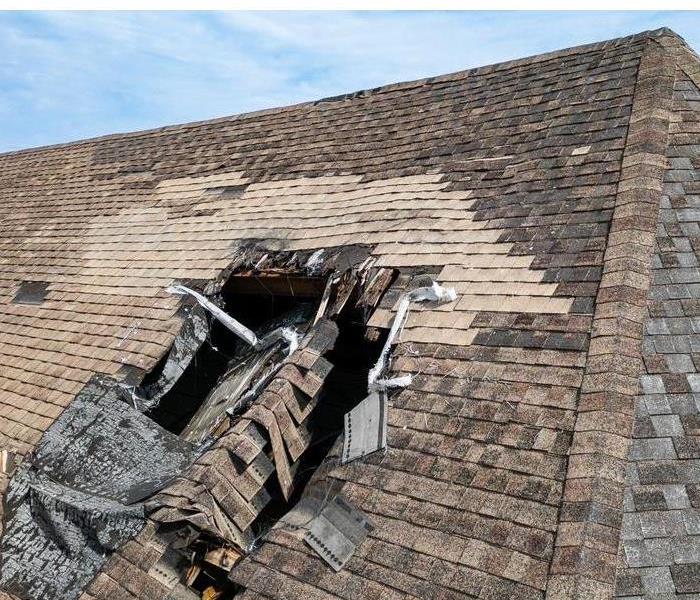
[
  {"x": 225, "y": 491},
  {"x": 531, "y": 187},
  {"x": 79, "y": 498},
  {"x": 187, "y": 342},
  {"x": 251, "y": 439}
]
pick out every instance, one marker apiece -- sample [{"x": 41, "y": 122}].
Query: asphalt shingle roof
[{"x": 533, "y": 188}]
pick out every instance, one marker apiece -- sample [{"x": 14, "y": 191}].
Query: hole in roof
[
  {"x": 226, "y": 374},
  {"x": 191, "y": 406},
  {"x": 352, "y": 356}
]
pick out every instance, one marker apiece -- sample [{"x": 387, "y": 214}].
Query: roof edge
[{"x": 391, "y": 87}]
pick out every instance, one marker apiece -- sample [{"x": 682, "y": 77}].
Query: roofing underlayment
[{"x": 547, "y": 441}]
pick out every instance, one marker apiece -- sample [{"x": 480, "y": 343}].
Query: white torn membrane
[
  {"x": 434, "y": 293},
  {"x": 365, "y": 429},
  {"x": 314, "y": 260},
  {"x": 289, "y": 334}
]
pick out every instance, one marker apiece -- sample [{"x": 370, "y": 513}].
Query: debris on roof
[
  {"x": 336, "y": 531},
  {"x": 117, "y": 468},
  {"x": 80, "y": 496},
  {"x": 435, "y": 293},
  {"x": 286, "y": 333},
  {"x": 365, "y": 425}
]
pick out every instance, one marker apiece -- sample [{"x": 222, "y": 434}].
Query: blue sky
[{"x": 67, "y": 76}]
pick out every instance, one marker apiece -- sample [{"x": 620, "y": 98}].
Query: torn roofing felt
[
  {"x": 79, "y": 498},
  {"x": 189, "y": 339}
]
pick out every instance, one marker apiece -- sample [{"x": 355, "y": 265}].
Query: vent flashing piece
[
  {"x": 31, "y": 292},
  {"x": 224, "y": 318},
  {"x": 365, "y": 427},
  {"x": 166, "y": 571},
  {"x": 8, "y": 462},
  {"x": 336, "y": 532}
]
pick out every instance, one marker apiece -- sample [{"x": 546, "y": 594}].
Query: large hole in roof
[
  {"x": 225, "y": 366},
  {"x": 252, "y": 301}
]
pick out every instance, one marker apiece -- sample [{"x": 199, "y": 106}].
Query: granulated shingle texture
[
  {"x": 532, "y": 187},
  {"x": 660, "y": 550}
]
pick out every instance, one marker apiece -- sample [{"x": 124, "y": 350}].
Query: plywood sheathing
[{"x": 585, "y": 558}]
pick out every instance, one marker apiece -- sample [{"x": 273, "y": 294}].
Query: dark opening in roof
[
  {"x": 192, "y": 404},
  {"x": 31, "y": 292}
]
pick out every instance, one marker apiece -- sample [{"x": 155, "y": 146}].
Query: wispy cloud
[{"x": 66, "y": 76}]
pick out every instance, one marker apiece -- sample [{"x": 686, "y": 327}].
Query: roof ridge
[
  {"x": 687, "y": 59},
  {"x": 597, "y": 456},
  {"x": 390, "y": 87}
]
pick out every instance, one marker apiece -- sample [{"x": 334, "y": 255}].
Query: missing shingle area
[
  {"x": 268, "y": 446},
  {"x": 278, "y": 440},
  {"x": 31, "y": 292},
  {"x": 227, "y": 191}
]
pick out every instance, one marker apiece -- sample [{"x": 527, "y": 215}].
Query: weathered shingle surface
[
  {"x": 660, "y": 550},
  {"x": 506, "y": 182}
]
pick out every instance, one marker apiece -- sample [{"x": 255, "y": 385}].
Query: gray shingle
[
  {"x": 652, "y": 449},
  {"x": 694, "y": 382},
  {"x": 656, "y": 404},
  {"x": 691, "y": 521},
  {"x": 657, "y": 580},
  {"x": 687, "y": 578},
  {"x": 653, "y": 384},
  {"x": 686, "y": 549},
  {"x": 680, "y": 363},
  {"x": 657, "y": 327},
  {"x": 676, "y": 496},
  {"x": 667, "y": 425}
]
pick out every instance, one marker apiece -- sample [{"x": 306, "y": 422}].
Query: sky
[{"x": 73, "y": 75}]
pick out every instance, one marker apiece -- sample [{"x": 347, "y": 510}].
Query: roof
[{"x": 557, "y": 194}]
